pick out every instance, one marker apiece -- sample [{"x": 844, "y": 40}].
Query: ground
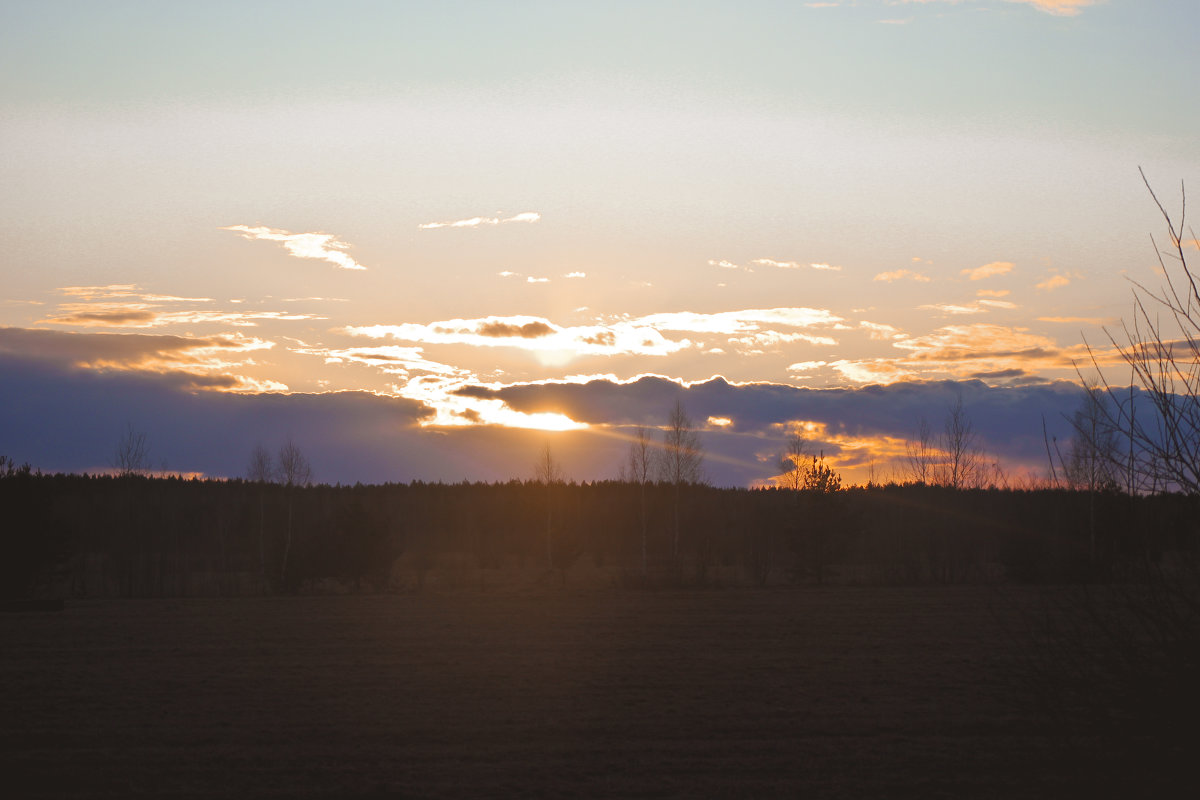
[{"x": 813, "y": 692}]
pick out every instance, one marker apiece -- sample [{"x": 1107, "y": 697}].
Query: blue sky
[{"x": 412, "y": 200}]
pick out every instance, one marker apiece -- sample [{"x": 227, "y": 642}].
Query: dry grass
[{"x": 839, "y": 692}]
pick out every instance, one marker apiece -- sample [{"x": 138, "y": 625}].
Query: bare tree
[
  {"x": 1161, "y": 347},
  {"x": 132, "y": 456},
  {"x": 681, "y": 460},
  {"x": 639, "y": 469},
  {"x": 962, "y": 457},
  {"x": 793, "y": 463},
  {"x": 921, "y": 454},
  {"x": 294, "y": 471},
  {"x": 1094, "y": 451},
  {"x": 294, "y": 468},
  {"x": 547, "y": 471},
  {"x": 261, "y": 468}
]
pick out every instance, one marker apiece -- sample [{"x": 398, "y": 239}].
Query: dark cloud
[
  {"x": 1000, "y": 374},
  {"x": 1008, "y": 418},
  {"x": 62, "y": 418},
  {"x": 505, "y": 330},
  {"x": 121, "y": 349},
  {"x": 966, "y": 354},
  {"x": 114, "y": 318}
]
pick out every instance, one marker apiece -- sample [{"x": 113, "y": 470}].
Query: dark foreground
[{"x": 839, "y": 692}]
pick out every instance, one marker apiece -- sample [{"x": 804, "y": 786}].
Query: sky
[{"x": 426, "y": 240}]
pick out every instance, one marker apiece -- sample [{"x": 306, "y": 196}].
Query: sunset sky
[{"x": 424, "y": 240}]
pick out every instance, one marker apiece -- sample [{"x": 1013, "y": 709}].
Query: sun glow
[{"x": 453, "y": 410}]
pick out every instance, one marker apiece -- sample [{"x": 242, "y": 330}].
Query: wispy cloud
[
  {"x": 1056, "y": 281},
  {"x": 879, "y": 331},
  {"x": 745, "y": 321},
  {"x": 322, "y": 246},
  {"x": 723, "y": 264},
  {"x": 953, "y": 309},
  {"x": 977, "y": 342},
  {"x": 532, "y": 278},
  {"x": 129, "y": 306},
  {"x": 1079, "y": 320},
  {"x": 134, "y": 315},
  {"x": 989, "y": 270},
  {"x": 773, "y": 341},
  {"x": 475, "y": 222},
  {"x": 532, "y": 333},
  {"x": 575, "y": 275},
  {"x": 1060, "y": 8},
  {"x": 770, "y": 262},
  {"x": 387, "y": 358},
  {"x": 993, "y": 293},
  {"x": 902, "y": 275},
  {"x": 125, "y": 291}
]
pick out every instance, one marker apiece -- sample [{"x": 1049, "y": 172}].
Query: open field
[{"x": 837, "y": 692}]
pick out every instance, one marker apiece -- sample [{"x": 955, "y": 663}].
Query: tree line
[{"x": 143, "y": 536}]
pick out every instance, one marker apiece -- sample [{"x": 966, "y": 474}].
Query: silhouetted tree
[
  {"x": 819, "y": 484},
  {"x": 1161, "y": 347},
  {"x": 638, "y": 469},
  {"x": 962, "y": 458},
  {"x": 261, "y": 470},
  {"x": 294, "y": 468},
  {"x": 294, "y": 472},
  {"x": 681, "y": 460},
  {"x": 1093, "y": 451},
  {"x": 793, "y": 463},
  {"x": 820, "y": 477},
  {"x": 132, "y": 455},
  {"x": 921, "y": 454},
  {"x": 261, "y": 467},
  {"x": 547, "y": 472}
]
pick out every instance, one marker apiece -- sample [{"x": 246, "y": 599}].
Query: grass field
[{"x": 837, "y": 692}]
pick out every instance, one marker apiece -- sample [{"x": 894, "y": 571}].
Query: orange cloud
[
  {"x": 902, "y": 274},
  {"x": 951, "y": 308},
  {"x": 989, "y": 270},
  {"x": 1053, "y": 282},
  {"x": 134, "y": 315},
  {"x": 1079, "y": 320}
]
